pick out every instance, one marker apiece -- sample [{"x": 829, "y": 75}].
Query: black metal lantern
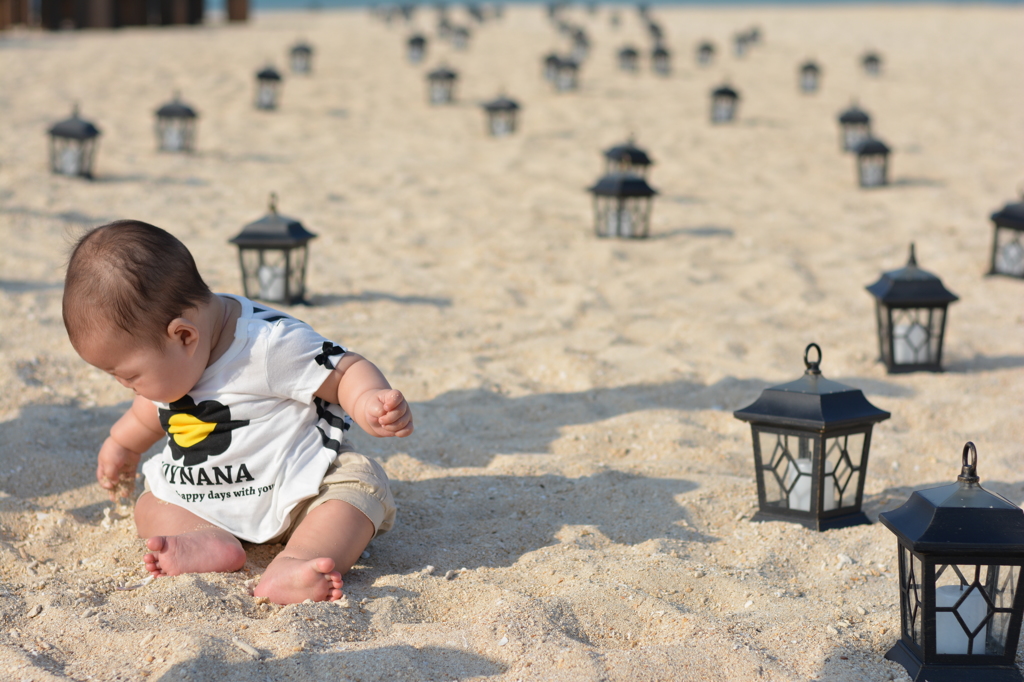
[
  {"x": 810, "y": 77},
  {"x": 627, "y": 158},
  {"x": 705, "y": 53},
  {"x": 460, "y": 37},
  {"x": 622, "y": 206},
  {"x": 501, "y": 116},
  {"x": 628, "y": 58},
  {"x": 273, "y": 252},
  {"x": 268, "y": 88},
  {"x": 301, "y": 57},
  {"x": 724, "y": 101},
  {"x": 416, "y": 49},
  {"x": 911, "y": 306},
  {"x": 551, "y": 62},
  {"x": 441, "y": 85},
  {"x": 661, "y": 60},
  {"x": 811, "y": 442},
  {"x": 872, "y": 163},
  {"x": 854, "y": 128},
  {"x": 961, "y": 559},
  {"x": 1007, "y": 249},
  {"x": 740, "y": 43},
  {"x": 176, "y": 126},
  {"x": 568, "y": 76},
  {"x": 73, "y": 146},
  {"x": 872, "y": 63},
  {"x": 580, "y": 45}
]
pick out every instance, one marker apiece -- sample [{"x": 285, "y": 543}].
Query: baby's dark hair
[{"x": 130, "y": 275}]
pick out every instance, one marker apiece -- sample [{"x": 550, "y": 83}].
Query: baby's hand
[
  {"x": 388, "y": 414},
  {"x": 115, "y": 469}
]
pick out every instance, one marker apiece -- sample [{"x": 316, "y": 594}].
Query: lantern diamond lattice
[
  {"x": 622, "y": 206},
  {"x": 961, "y": 555},
  {"x": 910, "y": 307},
  {"x": 1008, "y": 241},
  {"x": 176, "y": 126},
  {"x": 73, "y": 146},
  {"x": 273, "y": 252},
  {"x": 811, "y": 441}
]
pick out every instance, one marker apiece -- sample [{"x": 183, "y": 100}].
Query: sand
[{"x": 575, "y": 503}]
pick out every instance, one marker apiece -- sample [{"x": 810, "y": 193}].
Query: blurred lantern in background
[
  {"x": 661, "y": 60},
  {"x": 872, "y": 63},
  {"x": 705, "y": 53},
  {"x": 1007, "y": 249},
  {"x": 568, "y": 76},
  {"x": 961, "y": 554},
  {"x": 628, "y": 59},
  {"x": 268, "y": 86},
  {"x": 73, "y": 146},
  {"x": 872, "y": 163},
  {"x": 501, "y": 116},
  {"x": 911, "y": 305},
  {"x": 460, "y": 37},
  {"x": 551, "y": 64},
  {"x": 854, "y": 128},
  {"x": 301, "y": 57},
  {"x": 615, "y": 20},
  {"x": 580, "y": 45},
  {"x": 176, "y": 126},
  {"x": 740, "y": 43},
  {"x": 655, "y": 31},
  {"x": 811, "y": 442},
  {"x": 627, "y": 158},
  {"x": 415, "y": 49},
  {"x": 441, "y": 85},
  {"x": 622, "y": 206},
  {"x": 724, "y": 101},
  {"x": 810, "y": 77},
  {"x": 273, "y": 252}
]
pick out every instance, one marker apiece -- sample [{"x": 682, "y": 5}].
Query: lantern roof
[
  {"x": 552, "y": 59},
  {"x": 706, "y": 47},
  {"x": 628, "y": 153},
  {"x": 910, "y": 285},
  {"x": 622, "y": 185},
  {"x": 268, "y": 73},
  {"x": 812, "y": 402},
  {"x": 960, "y": 517},
  {"x": 74, "y": 128},
  {"x": 442, "y": 73},
  {"x": 871, "y": 147},
  {"x": 854, "y": 115},
  {"x": 659, "y": 51},
  {"x": 176, "y": 109},
  {"x": 273, "y": 231},
  {"x": 502, "y": 103},
  {"x": 302, "y": 47},
  {"x": 725, "y": 91},
  {"x": 628, "y": 52},
  {"x": 871, "y": 57},
  {"x": 1011, "y": 215},
  {"x": 568, "y": 63},
  {"x": 810, "y": 66},
  {"x": 417, "y": 40}
]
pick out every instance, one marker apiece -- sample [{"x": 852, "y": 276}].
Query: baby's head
[{"x": 127, "y": 285}]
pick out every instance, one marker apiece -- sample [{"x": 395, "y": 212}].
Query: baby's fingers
[
  {"x": 391, "y": 399},
  {"x": 400, "y": 427}
]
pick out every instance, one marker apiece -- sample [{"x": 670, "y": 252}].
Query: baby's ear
[{"x": 182, "y": 331}]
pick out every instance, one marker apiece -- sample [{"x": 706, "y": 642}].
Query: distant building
[{"x": 70, "y": 14}]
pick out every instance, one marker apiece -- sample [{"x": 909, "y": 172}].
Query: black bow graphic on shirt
[{"x": 328, "y": 350}]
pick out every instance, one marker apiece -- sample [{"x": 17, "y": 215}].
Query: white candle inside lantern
[
  {"x": 950, "y": 637},
  {"x": 174, "y": 138},
  {"x": 69, "y": 161},
  {"x": 908, "y": 344},
  {"x": 1010, "y": 259},
  {"x": 271, "y": 279},
  {"x": 800, "y": 495}
]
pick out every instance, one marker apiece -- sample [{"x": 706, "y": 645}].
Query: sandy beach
[{"x": 575, "y": 503}]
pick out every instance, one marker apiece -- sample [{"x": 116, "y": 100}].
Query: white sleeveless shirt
[{"x": 250, "y": 440}]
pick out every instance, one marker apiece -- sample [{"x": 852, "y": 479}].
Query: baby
[{"x": 255, "y": 404}]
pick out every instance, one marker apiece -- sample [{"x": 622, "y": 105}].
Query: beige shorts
[{"x": 351, "y": 478}]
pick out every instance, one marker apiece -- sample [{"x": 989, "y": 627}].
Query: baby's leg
[
  {"x": 323, "y": 547},
  {"x": 181, "y": 542}
]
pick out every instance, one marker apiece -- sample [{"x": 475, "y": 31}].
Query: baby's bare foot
[
  {"x": 288, "y": 580},
  {"x": 203, "y": 551}
]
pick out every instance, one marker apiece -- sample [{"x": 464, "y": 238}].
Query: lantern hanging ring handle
[
  {"x": 812, "y": 367},
  {"x": 969, "y": 473}
]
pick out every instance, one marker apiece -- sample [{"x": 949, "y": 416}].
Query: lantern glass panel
[
  {"x": 915, "y": 335},
  {"x": 843, "y": 472},
  {"x": 622, "y": 216},
  {"x": 872, "y": 170},
  {"x": 71, "y": 157},
  {"x": 440, "y": 92},
  {"x": 175, "y": 134},
  {"x": 786, "y": 465},
  {"x": 854, "y": 134},
  {"x": 502, "y": 123},
  {"x": 911, "y": 597},
  {"x": 1009, "y": 253},
  {"x": 301, "y": 62},
  {"x": 808, "y": 81},
  {"x": 566, "y": 79},
  {"x": 297, "y": 273},
  {"x": 968, "y": 600},
  {"x": 266, "y": 95},
  {"x": 722, "y": 109}
]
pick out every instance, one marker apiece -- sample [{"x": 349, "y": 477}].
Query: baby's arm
[
  {"x": 362, "y": 391},
  {"x": 130, "y": 436}
]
